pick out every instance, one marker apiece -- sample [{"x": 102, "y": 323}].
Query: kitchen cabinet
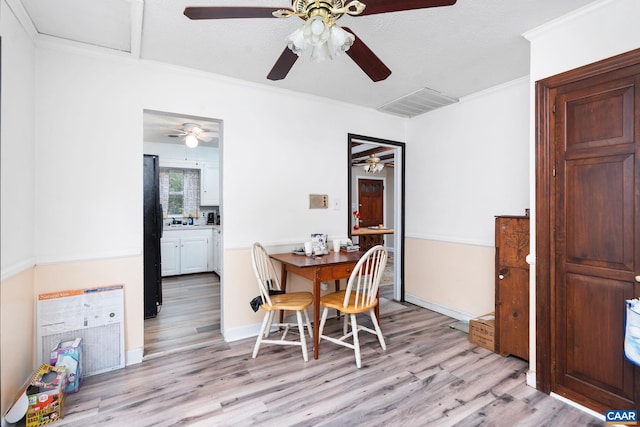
[
  {"x": 186, "y": 251},
  {"x": 512, "y": 286},
  {"x": 210, "y": 185},
  {"x": 193, "y": 254},
  {"x": 170, "y": 255},
  {"x": 216, "y": 256}
]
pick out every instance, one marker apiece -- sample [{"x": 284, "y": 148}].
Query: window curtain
[{"x": 191, "y": 190}]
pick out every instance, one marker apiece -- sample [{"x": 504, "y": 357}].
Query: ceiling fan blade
[
  {"x": 367, "y": 60},
  {"x": 229, "y": 12},
  {"x": 283, "y": 65},
  {"x": 385, "y": 6}
]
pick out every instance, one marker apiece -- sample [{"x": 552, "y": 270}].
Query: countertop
[{"x": 190, "y": 227}]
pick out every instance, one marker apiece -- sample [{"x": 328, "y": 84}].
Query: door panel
[
  {"x": 594, "y": 243},
  {"x": 600, "y": 119},
  {"x": 593, "y": 364},
  {"x": 513, "y": 311},
  {"x": 599, "y": 212}
]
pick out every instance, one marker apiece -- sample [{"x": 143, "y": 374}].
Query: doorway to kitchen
[
  {"x": 188, "y": 308},
  {"x": 189, "y": 316},
  {"x": 380, "y": 161}
]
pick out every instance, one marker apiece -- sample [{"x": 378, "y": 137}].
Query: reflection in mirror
[{"x": 375, "y": 199}]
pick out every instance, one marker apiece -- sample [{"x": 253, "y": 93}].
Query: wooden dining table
[{"x": 325, "y": 268}]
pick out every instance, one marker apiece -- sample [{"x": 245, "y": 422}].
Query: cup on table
[
  {"x": 308, "y": 249},
  {"x": 336, "y": 245}
]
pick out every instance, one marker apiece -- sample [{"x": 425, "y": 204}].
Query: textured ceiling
[{"x": 453, "y": 50}]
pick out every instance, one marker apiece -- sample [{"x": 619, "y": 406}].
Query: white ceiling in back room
[{"x": 171, "y": 128}]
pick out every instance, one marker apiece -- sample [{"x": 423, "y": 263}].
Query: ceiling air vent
[{"x": 416, "y": 103}]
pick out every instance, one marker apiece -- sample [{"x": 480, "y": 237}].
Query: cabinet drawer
[{"x": 337, "y": 272}]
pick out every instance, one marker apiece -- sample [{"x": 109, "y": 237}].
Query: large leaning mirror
[{"x": 376, "y": 202}]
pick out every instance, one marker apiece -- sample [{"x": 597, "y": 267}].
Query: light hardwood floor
[
  {"x": 189, "y": 316},
  {"x": 430, "y": 375}
]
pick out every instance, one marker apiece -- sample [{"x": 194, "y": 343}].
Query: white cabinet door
[
  {"x": 193, "y": 254},
  {"x": 217, "y": 265},
  {"x": 170, "y": 256},
  {"x": 211, "y": 248},
  {"x": 209, "y": 185}
]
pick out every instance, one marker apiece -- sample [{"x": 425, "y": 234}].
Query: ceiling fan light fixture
[
  {"x": 373, "y": 165},
  {"x": 373, "y": 168},
  {"x": 191, "y": 141},
  {"x": 323, "y": 40}
]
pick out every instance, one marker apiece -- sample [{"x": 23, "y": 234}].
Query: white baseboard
[
  {"x": 531, "y": 379},
  {"x": 134, "y": 356},
  {"x": 251, "y": 331},
  {"x": 241, "y": 332},
  {"x": 439, "y": 308},
  {"x": 578, "y": 406}
]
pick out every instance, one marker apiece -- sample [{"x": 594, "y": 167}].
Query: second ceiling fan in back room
[{"x": 319, "y": 34}]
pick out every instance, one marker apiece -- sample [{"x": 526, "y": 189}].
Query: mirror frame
[{"x": 399, "y": 201}]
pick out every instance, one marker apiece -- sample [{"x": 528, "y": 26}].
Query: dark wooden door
[
  {"x": 595, "y": 243},
  {"x": 370, "y": 199}
]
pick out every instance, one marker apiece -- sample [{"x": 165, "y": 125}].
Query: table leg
[
  {"x": 337, "y": 290},
  {"x": 283, "y": 286},
  {"x": 316, "y": 318}
]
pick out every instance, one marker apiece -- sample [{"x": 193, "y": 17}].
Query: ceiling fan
[
  {"x": 319, "y": 34},
  {"x": 372, "y": 164},
  {"x": 192, "y": 134}
]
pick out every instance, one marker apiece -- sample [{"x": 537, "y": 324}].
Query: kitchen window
[{"x": 179, "y": 191}]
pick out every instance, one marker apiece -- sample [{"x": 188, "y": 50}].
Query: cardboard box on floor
[
  {"x": 482, "y": 331},
  {"x": 41, "y": 397},
  {"x": 46, "y": 395}
]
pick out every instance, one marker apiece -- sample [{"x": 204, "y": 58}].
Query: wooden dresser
[{"x": 512, "y": 286}]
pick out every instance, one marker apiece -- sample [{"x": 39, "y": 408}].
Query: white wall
[
  {"x": 466, "y": 163},
  {"x": 266, "y": 178},
  {"x": 17, "y": 148},
  {"x": 469, "y": 162},
  {"x": 17, "y": 314},
  {"x": 598, "y": 31}
]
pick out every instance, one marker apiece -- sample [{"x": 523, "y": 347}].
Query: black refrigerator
[{"x": 152, "y": 235}]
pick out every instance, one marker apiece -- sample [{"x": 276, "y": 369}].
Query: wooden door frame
[
  {"x": 545, "y": 205},
  {"x": 399, "y": 201}
]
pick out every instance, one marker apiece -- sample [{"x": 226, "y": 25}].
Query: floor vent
[{"x": 416, "y": 103}]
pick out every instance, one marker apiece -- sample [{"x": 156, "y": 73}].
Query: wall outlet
[{"x": 324, "y": 286}]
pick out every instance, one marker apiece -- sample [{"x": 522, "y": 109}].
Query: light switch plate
[{"x": 318, "y": 201}]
